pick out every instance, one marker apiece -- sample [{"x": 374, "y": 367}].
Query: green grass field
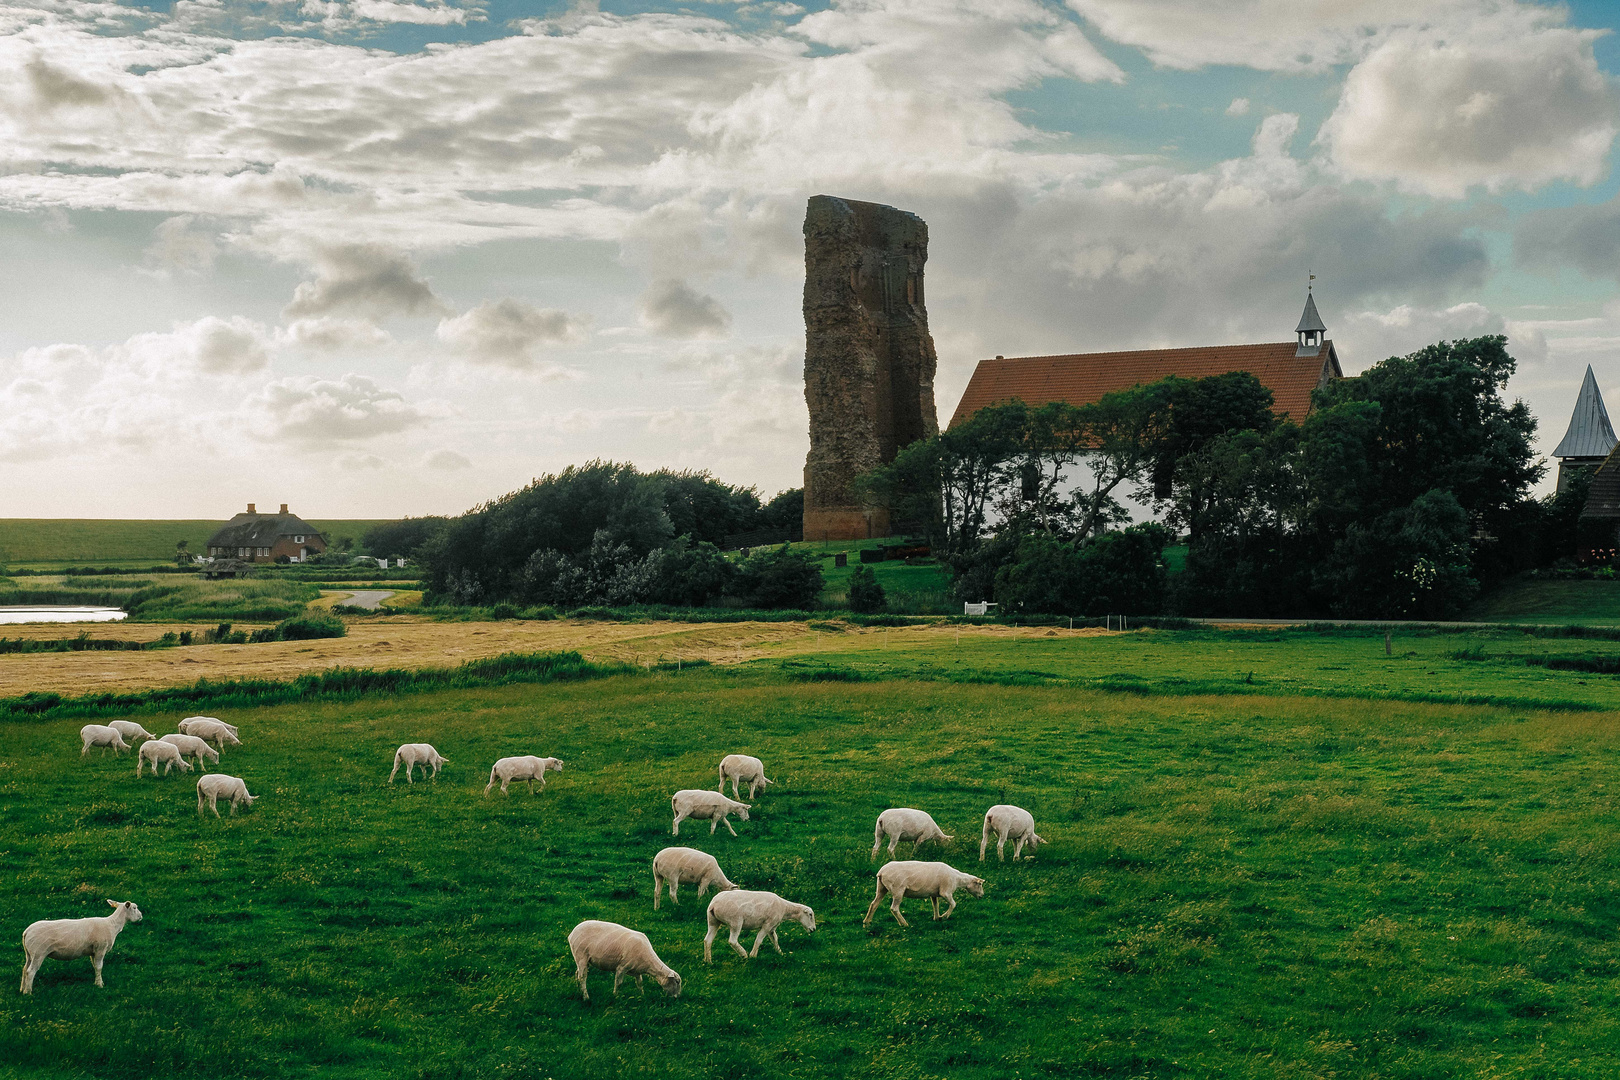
[
  {"x": 1284, "y": 884},
  {"x": 46, "y": 542},
  {"x": 1590, "y": 603}
]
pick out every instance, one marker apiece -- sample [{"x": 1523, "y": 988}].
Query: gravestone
[{"x": 869, "y": 359}]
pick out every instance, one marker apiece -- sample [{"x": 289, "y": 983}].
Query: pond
[{"x": 59, "y": 613}]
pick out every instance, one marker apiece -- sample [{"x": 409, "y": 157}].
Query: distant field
[
  {"x": 111, "y": 541},
  {"x": 1570, "y": 602},
  {"x": 1272, "y": 887}
]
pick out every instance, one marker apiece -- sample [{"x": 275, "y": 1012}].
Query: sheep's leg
[
  {"x": 877, "y": 840},
  {"x": 95, "y": 962},
  {"x": 894, "y": 906},
  {"x": 729, "y": 829},
  {"x": 674, "y": 888},
  {"x": 736, "y": 933},
  {"x": 618, "y": 977},
  {"x": 1001, "y": 848},
  {"x": 775, "y": 944},
  {"x": 531, "y": 785},
  {"x": 759, "y": 939},
  {"x": 410, "y": 769},
  {"x": 641, "y": 987},
  {"x": 85, "y": 751},
  {"x": 675, "y": 829},
  {"x": 708, "y": 942},
  {"x": 31, "y": 963},
  {"x": 582, "y": 968},
  {"x": 658, "y": 889},
  {"x": 872, "y": 910},
  {"x": 951, "y": 898},
  {"x": 1018, "y": 849},
  {"x": 894, "y": 842},
  {"x": 489, "y": 786},
  {"x": 213, "y": 803},
  {"x": 935, "y": 901}
]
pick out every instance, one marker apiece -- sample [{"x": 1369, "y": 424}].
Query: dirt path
[{"x": 409, "y": 642}]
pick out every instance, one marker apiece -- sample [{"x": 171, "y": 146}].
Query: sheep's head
[
  {"x": 671, "y": 983},
  {"x": 944, "y": 837},
  {"x": 185, "y": 766},
  {"x": 249, "y": 799},
  {"x": 806, "y": 917},
  {"x": 974, "y": 885},
  {"x": 1035, "y": 841},
  {"x": 742, "y": 811},
  {"x": 553, "y": 765},
  {"x": 232, "y": 739},
  {"x": 131, "y": 912}
]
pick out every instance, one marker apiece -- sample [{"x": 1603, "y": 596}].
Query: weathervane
[{"x": 1308, "y": 285}]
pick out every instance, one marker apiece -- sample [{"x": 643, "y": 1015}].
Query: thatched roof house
[{"x": 263, "y": 538}]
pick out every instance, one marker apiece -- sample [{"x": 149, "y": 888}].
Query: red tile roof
[{"x": 1082, "y": 378}]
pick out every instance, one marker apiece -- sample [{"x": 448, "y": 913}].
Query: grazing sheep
[
  {"x": 928, "y": 879},
  {"x": 192, "y": 746},
  {"x": 97, "y": 735},
  {"x": 742, "y": 911},
  {"x": 219, "y": 786},
  {"x": 130, "y": 730},
  {"x": 705, "y": 805},
  {"x": 208, "y": 729},
  {"x": 739, "y": 768},
  {"x": 610, "y": 947},
  {"x": 162, "y": 753},
  {"x": 903, "y": 823},
  {"x": 679, "y": 866},
  {"x": 413, "y": 754},
  {"x": 69, "y": 939},
  {"x": 189, "y": 722},
  {"x": 530, "y": 768},
  {"x": 1009, "y": 822}
]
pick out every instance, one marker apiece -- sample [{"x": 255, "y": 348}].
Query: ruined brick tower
[{"x": 868, "y": 359}]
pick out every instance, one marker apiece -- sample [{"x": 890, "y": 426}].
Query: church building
[{"x": 1289, "y": 369}]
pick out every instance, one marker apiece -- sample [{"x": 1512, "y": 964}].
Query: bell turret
[
  {"x": 1590, "y": 436},
  {"x": 1311, "y": 329}
]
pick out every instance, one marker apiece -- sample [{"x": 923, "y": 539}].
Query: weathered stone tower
[{"x": 868, "y": 359}]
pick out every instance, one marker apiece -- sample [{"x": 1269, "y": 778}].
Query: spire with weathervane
[
  {"x": 1590, "y": 436},
  {"x": 1311, "y": 329}
]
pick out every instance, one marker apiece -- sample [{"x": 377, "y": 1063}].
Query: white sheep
[
  {"x": 740, "y": 768},
  {"x": 904, "y": 823},
  {"x": 208, "y": 729},
  {"x": 528, "y": 768},
  {"x": 219, "y": 786},
  {"x": 192, "y": 746},
  {"x": 413, "y": 754},
  {"x": 186, "y": 725},
  {"x": 677, "y": 866},
  {"x": 69, "y": 939},
  {"x": 98, "y": 735},
  {"x": 741, "y": 911},
  {"x": 707, "y": 806},
  {"x": 130, "y": 730},
  {"x": 1009, "y": 822},
  {"x": 610, "y": 947},
  {"x": 162, "y": 753},
  {"x": 927, "y": 879}
]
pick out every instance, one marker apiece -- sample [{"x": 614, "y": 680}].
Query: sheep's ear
[{"x": 112, "y": 903}]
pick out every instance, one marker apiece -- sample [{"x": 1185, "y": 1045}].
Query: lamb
[
  {"x": 742, "y": 911},
  {"x": 529, "y": 768},
  {"x": 192, "y": 746},
  {"x": 189, "y": 722},
  {"x": 610, "y": 947},
  {"x": 210, "y": 730},
  {"x": 1009, "y": 822},
  {"x": 903, "y": 823},
  {"x": 930, "y": 879},
  {"x": 159, "y": 752},
  {"x": 413, "y": 754},
  {"x": 97, "y": 735},
  {"x": 683, "y": 865},
  {"x": 219, "y": 786},
  {"x": 69, "y": 939},
  {"x": 705, "y": 805},
  {"x": 740, "y": 767},
  {"x": 130, "y": 730}
]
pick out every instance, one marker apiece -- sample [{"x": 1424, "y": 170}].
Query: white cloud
[
  {"x": 447, "y": 461},
  {"x": 312, "y": 412},
  {"x": 674, "y": 309},
  {"x": 332, "y": 335},
  {"x": 176, "y": 245},
  {"x": 360, "y": 462},
  {"x": 508, "y": 331},
  {"x": 234, "y": 346},
  {"x": 1514, "y": 103},
  {"x": 367, "y": 278},
  {"x": 425, "y": 14},
  {"x": 1271, "y": 35},
  {"x": 1239, "y": 107},
  {"x": 1371, "y": 336}
]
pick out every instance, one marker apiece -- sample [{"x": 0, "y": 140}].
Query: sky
[{"x": 384, "y": 257}]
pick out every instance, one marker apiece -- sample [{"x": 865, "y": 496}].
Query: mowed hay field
[{"x": 1243, "y": 886}]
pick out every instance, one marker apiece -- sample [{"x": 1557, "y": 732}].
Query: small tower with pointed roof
[
  {"x": 1590, "y": 437},
  {"x": 1311, "y": 328}
]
